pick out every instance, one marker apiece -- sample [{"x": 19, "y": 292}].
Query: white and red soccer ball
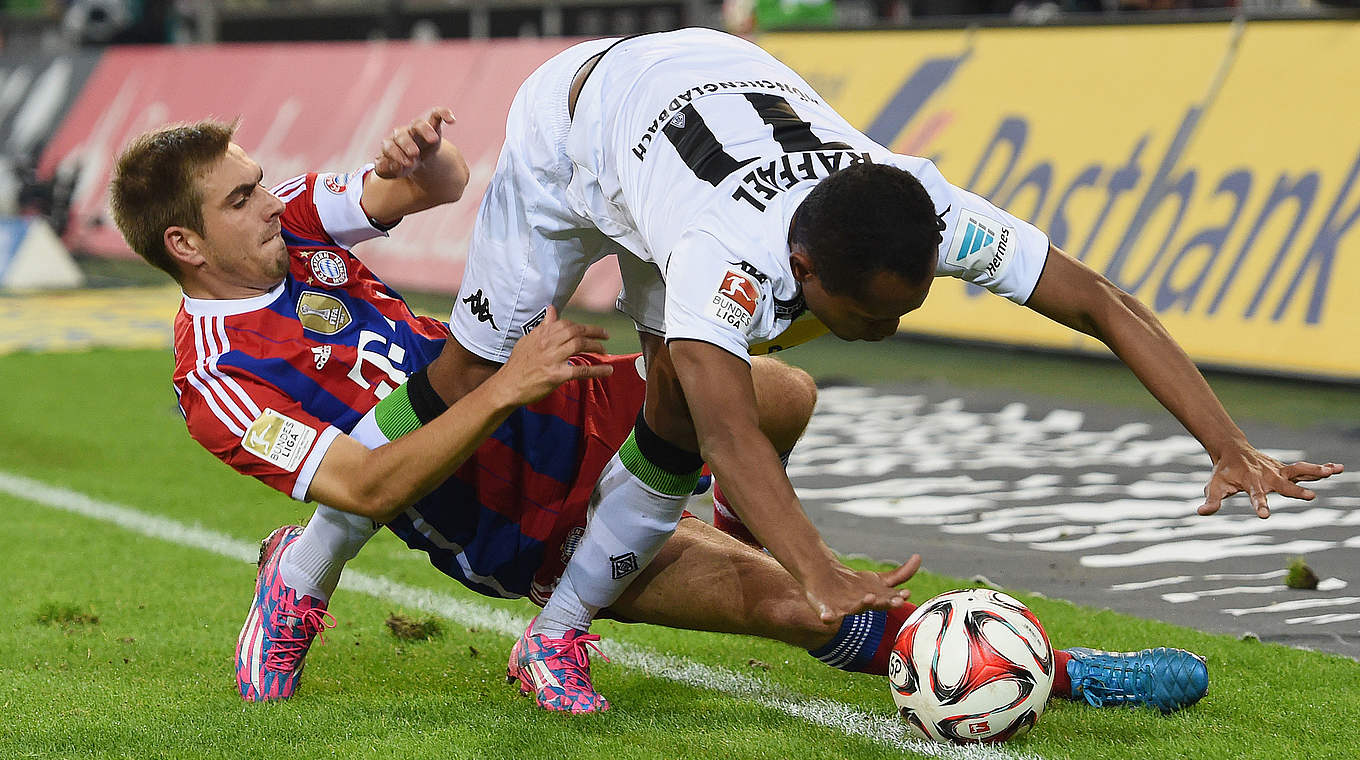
[{"x": 971, "y": 666}]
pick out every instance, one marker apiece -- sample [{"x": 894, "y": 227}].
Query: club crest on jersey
[
  {"x": 336, "y": 183},
  {"x": 329, "y": 268},
  {"x": 278, "y": 439},
  {"x": 981, "y": 244},
  {"x": 321, "y": 313},
  {"x": 736, "y": 299}
]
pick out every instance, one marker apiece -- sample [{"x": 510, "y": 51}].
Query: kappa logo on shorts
[
  {"x": 623, "y": 565},
  {"x": 535, "y": 321},
  {"x": 329, "y": 268},
  {"x": 480, "y": 308}
]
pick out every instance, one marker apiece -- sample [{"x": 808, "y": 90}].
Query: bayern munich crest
[
  {"x": 336, "y": 183},
  {"x": 329, "y": 268}
]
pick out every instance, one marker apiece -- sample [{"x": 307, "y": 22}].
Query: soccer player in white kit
[{"x": 747, "y": 216}]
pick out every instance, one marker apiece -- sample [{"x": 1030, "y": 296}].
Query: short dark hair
[
  {"x": 866, "y": 219},
  {"x": 155, "y": 185}
]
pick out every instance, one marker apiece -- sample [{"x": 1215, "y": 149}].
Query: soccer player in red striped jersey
[
  {"x": 292, "y": 359},
  {"x": 285, "y": 341}
]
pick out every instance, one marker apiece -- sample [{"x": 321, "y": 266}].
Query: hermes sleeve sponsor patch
[
  {"x": 980, "y": 244},
  {"x": 278, "y": 439}
]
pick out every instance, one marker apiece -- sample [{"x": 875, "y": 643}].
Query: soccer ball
[{"x": 971, "y": 666}]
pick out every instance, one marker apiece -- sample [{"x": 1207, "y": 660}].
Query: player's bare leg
[
  {"x": 640, "y": 498},
  {"x": 456, "y": 371},
  {"x": 705, "y": 580},
  {"x": 780, "y": 389}
]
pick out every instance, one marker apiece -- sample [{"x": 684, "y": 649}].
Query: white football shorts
[{"x": 528, "y": 248}]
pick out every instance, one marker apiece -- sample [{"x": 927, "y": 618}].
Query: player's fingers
[
  {"x": 880, "y": 602},
  {"x": 584, "y": 371},
  {"x": 1258, "y": 502},
  {"x": 903, "y": 572},
  {"x": 1294, "y": 491},
  {"x": 1214, "y": 494},
  {"x": 825, "y": 613},
  {"x": 1307, "y": 471},
  {"x": 439, "y": 116},
  {"x": 585, "y": 347},
  {"x": 394, "y": 153},
  {"x": 574, "y": 330},
  {"x": 384, "y": 167},
  {"x": 424, "y": 134},
  {"x": 403, "y": 140},
  {"x": 1212, "y": 503},
  {"x": 594, "y": 331}
]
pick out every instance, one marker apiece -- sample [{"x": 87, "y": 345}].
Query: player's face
[
  {"x": 242, "y": 240},
  {"x": 875, "y": 315}
]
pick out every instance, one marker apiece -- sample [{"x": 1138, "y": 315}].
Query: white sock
[
  {"x": 628, "y": 526},
  {"x": 313, "y": 562}
]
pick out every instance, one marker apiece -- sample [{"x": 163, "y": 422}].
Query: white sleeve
[
  {"x": 981, "y": 244},
  {"x": 711, "y": 299},
  {"x": 337, "y": 199}
]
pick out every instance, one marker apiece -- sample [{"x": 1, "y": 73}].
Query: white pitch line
[{"x": 835, "y": 715}]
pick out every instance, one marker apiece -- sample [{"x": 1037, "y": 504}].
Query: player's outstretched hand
[
  {"x": 843, "y": 591},
  {"x": 409, "y": 146},
  {"x": 540, "y": 363},
  {"x": 1246, "y": 470}
]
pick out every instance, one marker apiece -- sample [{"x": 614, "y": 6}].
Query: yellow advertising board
[{"x": 1211, "y": 170}]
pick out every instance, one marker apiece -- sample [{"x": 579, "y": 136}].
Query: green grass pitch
[{"x": 115, "y": 644}]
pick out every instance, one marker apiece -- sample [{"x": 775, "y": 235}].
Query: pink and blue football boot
[
  {"x": 556, "y": 672},
  {"x": 272, "y": 647}
]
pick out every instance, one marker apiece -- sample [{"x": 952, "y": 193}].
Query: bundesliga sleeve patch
[
  {"x": 279, "y": 440},
  {"x": 735, "y": 300},
  {"x": 980, "y": 244}
]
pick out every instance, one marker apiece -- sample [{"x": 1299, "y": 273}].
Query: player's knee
[{"x": 785, "y": 396}]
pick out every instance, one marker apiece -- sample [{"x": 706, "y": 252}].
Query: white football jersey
[{"x": 694, "y": 148}]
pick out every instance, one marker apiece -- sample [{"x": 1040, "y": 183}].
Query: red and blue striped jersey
[
  {"x": 507, "y": 521},
  {"x": 267, "y": 383}
]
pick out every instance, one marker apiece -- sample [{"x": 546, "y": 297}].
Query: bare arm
[
  {"x": 722, "y": 402},
  {"x": 416, "y": 169},
  {"x": 1073, "y": 294},
  {"x": 381, "y": 483}
]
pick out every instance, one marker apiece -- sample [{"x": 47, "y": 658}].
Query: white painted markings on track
[
  {"x": 1118, "y": 498},
  {"x": 838, "y": 716}
]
